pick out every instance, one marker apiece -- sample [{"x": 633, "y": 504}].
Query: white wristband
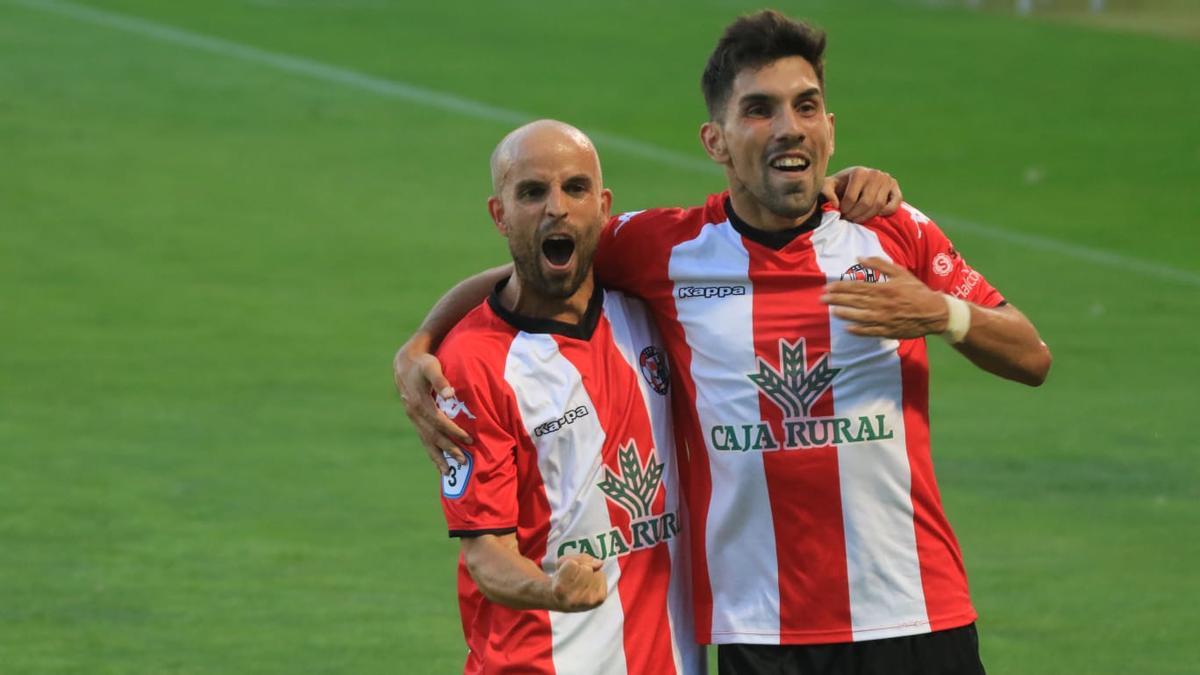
[{"x": 959, "y": 321}]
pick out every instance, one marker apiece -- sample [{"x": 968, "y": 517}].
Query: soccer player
[
  {"x": 567, "y": 502},
  {"x": 800, "y": 383}
]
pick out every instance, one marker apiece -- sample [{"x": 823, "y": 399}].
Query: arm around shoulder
[{"x": 417, "y": 372}]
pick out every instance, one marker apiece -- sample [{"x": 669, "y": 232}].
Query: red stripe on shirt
[{"x": 806, "y": 505}]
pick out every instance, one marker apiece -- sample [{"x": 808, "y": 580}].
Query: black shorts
[{"x": 945, "y": 652}]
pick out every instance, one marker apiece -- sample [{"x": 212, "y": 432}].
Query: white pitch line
[
  {"x": 1095, "y": 255},
  {"x": 484, "y": 111},
  {"x": 351, "y": 78}
]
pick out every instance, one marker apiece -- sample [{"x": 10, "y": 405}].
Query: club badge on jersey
[
  {"x": 859, "y": 272},
  {"x": 655, "y": 369}
]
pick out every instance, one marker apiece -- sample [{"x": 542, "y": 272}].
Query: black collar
[
  {"x": 580, "y": 331},
  {"x": 775, "y": 239}
]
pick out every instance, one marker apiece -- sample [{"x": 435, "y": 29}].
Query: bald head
[
  {"x": 550, "y": 203},
  {"x": 542, "y": 137}
]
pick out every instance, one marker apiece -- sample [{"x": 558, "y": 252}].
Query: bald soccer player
[{"x": 567, "y": 500}]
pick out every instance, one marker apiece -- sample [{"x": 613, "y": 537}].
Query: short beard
[
  {"x": 529, "y": 271},
  {"x": 781, "y": 205}
]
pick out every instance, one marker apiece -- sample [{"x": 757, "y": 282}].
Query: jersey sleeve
[
  {"x": 936, "y": 262},
  {"x": 634, "y": 248},
  {"x": 616, "y": 265},
  {"x": 479, "y": 496}
]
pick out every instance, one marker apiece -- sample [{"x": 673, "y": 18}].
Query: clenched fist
[{"x": 579, "y": 583}]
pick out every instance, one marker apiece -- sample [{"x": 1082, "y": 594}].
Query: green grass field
[{"x": 210, "y": 250}]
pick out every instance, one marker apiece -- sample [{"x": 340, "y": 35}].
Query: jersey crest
[
  {"x": 859, "y": 272},
  {"x": 654, "y": 367}
]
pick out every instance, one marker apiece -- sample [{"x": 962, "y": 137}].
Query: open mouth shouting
[{"x": 558, "y": 250}]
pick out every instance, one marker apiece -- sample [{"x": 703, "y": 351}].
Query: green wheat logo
[
  {"x": 795, "y": 389},
  {"x": 635, "y": 487}
]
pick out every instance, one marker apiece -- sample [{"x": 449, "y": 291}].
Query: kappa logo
[
  {"x": 858, "y": 272},
  {"x": 554, "y": 425},
  {"x": 710, "y": 291},
  {"x": 655, "y": 369},
  {"x": 452, "y": 407},
  {"x": 915, "y": 213},
  {"x": 623, "y": 219},
  {"x": 633, "y": 487}
]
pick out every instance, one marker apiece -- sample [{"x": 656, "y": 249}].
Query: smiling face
[
  {"x": 775, "y": 139},
  {"x": 550, "y": 203}
]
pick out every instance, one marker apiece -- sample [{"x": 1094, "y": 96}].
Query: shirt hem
[{"x": 837, "y": 637}]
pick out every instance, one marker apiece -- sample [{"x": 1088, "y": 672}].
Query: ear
[
  {"x": 606, "y": 202},
  {"x": 712, "y": 136},
  {"x": 832, "y": 135},
  {"x": 496, "y": 210}
]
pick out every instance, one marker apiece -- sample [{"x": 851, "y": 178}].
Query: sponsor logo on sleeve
[
  {"x": 454, "y": 483},
  {"x": 969, "y": 281},
  {"x": 942, "y": 264}
]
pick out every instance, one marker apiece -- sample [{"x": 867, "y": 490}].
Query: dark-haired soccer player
[{"x": 801, "y": 383}]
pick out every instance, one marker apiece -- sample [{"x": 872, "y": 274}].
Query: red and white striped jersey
[
  {"x": 573, "y": 452},
  {"x": 814, "y": 512}
]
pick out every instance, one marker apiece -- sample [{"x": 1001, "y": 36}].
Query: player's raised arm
[
  {"x": 417, "y": 372},
  {"x": 506, "y": 577}
]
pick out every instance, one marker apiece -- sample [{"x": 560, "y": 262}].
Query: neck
[
  {"x": 752, "y": 211},
  {"x": 521, "y": 298}
]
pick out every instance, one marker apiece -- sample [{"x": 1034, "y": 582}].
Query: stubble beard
[
  {"x": 528, "y": 263},
  {"x": 787, "y": 202}
]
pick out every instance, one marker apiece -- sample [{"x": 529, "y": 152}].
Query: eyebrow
[
  {"x": 528, "y": 183},
  {"x": 581, "y": 178},
  {"x": 759, "y": 97}
]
